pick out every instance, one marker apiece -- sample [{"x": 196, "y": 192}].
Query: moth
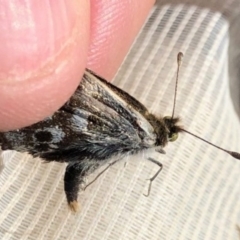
[{"x": 98, "y": 122}]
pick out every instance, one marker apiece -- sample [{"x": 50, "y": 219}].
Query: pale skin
[{"x": 44, "y": 57}]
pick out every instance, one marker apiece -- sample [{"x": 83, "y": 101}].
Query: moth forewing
[{"x": 118, "y": 99}]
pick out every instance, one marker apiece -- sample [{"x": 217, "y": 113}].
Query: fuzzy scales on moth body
[{"x": 99, "y": 121}]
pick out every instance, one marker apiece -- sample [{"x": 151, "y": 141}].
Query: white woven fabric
[{"x": 197, "y": 195}]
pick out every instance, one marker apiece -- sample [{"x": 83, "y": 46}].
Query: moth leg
[
  {"x": 103, "y": 171},
  {"x": 74, "y": 177},
  {"x": 160, "y": 150},
  {"x": 154, "y": 176}
]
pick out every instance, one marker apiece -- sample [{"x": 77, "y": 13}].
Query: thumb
[{"x": 43, "y": 49}]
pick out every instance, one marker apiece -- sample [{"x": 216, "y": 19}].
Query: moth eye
[{"x": 173, "y": 137}]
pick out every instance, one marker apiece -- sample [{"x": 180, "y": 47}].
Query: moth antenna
[
  {"x": 179, "y": 62},
  {"x": 233, "y": 154}
]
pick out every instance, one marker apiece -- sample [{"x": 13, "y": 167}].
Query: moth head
[{"x": 172, "y": 128}]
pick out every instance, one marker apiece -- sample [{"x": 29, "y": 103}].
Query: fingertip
[
  {"x": 36, "y": 80},
  {"x": 114, "y": 26}
]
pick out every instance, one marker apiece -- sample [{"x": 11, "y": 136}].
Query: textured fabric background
[{"x": 197, "y": 195}]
